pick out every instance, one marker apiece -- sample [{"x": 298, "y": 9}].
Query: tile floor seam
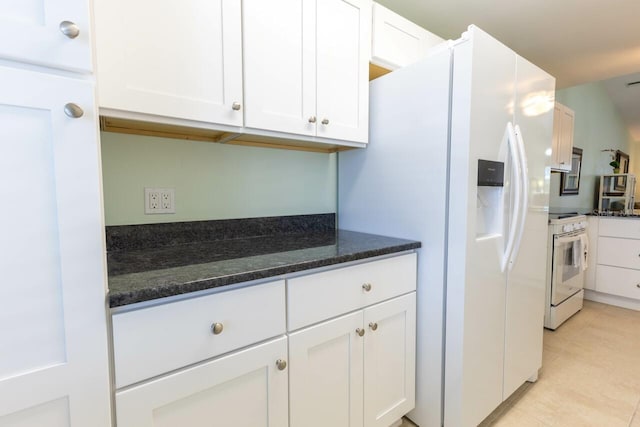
[{"x": 634, "y": 414}]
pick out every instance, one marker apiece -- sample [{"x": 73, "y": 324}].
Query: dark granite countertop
[{"x": 139, "y": 273}]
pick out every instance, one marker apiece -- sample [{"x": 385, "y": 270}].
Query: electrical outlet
[{"x": 159, "y": 201}]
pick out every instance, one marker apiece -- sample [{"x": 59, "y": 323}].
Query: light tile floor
[{"x": 590, "y": 375}]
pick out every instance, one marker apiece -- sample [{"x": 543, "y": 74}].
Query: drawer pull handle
[
  {"x": 69, "y": 29},
  {"x": 236, "y": 106},
  {"x": 366, "y": 287},
  {"x": 638, "y": 285},
  {"x": 373, "y": 326},
  {"x": 360, "y": 332},
  {"x": 325, "y": 121},
  {"x": 217, "y": 328},
  {"x": 281, "y": 364}
]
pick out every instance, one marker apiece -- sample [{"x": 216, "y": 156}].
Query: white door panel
[
  {"x": 527, "y": 278},
  {"x": 203, "y": 41},
  {"x": 280, "y": 65},
  {"x": 31, "y": 31},
  {"x": 326, "y": 374},
  {"x": 389, "y": 362},
  {"x": 343, "y": 51},
  {"x": 482, "y": 104},
  {"x": 243, "y": 389},
  {"x": 52, "y": 316}
]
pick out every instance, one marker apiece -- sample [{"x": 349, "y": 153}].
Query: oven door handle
[{"x": 567, "y": 239}]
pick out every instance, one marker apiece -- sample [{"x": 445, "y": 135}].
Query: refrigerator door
[
  {"x": 533, "y": 111},
  {"x": 482, "y": 105}
]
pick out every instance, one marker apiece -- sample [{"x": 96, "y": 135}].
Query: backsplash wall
[{"x": 212, "y": 181}]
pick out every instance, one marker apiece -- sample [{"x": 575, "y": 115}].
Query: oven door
[{"x": 568, "y": 271}]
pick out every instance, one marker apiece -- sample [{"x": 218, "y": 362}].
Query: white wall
[
  {"x": 213, "y": 181},
  {"x": 598, "y": 126}
]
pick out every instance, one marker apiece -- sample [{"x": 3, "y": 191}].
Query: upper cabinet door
[
  {"x": 280, "y": 65},
  {"x": 34, "y": 32},
  {"x": 182, "y": 62},
  {"x": 54, "y": 368},
  {"x": 562, "y": 146},
  {"x": 343, "y": 51}
]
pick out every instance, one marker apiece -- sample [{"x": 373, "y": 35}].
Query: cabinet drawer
[
  {"x": 323, "y": 295},
  {"x": 619, "y": 252},
  {"x": 618, "y": 281},
  {"x": 151, "y": 341},
  {"x": 617, "y": 227}
]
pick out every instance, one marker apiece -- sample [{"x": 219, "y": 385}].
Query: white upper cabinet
[
  {"x": 181, "y": 62},
  {"x": 308, "y": 74},
  {"x": 562, "y": 147},
  {"x": 52, "y": 33},
  {"x": 397, "y": 42}
]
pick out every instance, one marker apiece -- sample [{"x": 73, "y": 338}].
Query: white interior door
[
  {"x": 280, "y": 65},
  {"x": 30, "y": 30},
  {"x": 53, "y": 342},
  {"x": 325, "y": 378},
  {"x": 389, "y": 362},
  {"x": 527, "y": 277},
  {"x": 176, "y": 59},
  {"x": 343, "y": 52}
]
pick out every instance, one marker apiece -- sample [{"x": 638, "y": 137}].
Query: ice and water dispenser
[{"x": 490, "y": 199}]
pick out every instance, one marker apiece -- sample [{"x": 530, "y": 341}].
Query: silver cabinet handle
[
  {"x": 366, "y": 287},
  {"x": 217, "y": 328},
  {"x": 360, "y": 332},
  {"x": 73, "y": 110},
  {"x": 281, "y": 364},
  {"x": 236, "y": 106},
  {"x": 312, "y": 119},
  {"x": 325, "y": 121},
  {"x": 69, "y": 29},
  {"x": 638, "y": 285},
  {"x": 373, "y": 326}
]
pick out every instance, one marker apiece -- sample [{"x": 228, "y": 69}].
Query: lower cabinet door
[
  {"x": 326, "y": 370},
  {"x": 389, "y": 362},
  {"x": 243, "y": 389}
]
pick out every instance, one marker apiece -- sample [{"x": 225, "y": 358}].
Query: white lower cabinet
[
  {"x": 356, "y": 370},
  {"x": 244, "y": 389},
  {"x": 222, "y": 359}
]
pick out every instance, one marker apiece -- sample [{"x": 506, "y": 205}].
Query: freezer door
[{"x": 533, "y": 116}]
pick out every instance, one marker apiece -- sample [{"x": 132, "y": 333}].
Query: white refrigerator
[{"x": 440, "y": 132}]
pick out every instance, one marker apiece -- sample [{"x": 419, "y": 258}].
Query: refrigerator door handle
[
  {"x": 524, "y": 196},
  {"x": 517, "y": 189}
]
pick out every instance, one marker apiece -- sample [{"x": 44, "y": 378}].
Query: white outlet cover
[{"x": 159, "y": 201}]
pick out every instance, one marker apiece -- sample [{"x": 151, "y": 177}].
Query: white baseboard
[{"x": 623, "y": 302}]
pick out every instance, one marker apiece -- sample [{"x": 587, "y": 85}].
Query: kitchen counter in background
[{"x": 151, "y": 261}]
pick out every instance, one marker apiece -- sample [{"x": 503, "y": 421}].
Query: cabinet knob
[
  {"x": 366, "y": 287},
  {"x": 217, "y": 328},
  {"x": 312, "y": 119},
  {"x": 360, "y": 332},
  {"x": 236, "y": 106},
  {"x": 281, "y": 364},
  {"x": 69, "y": 29},
  {"x": 325, "y": 121},
  {"x": 373, "y": 326},
  {"x": 638, "y": 286},
  {"x": 73, "y": 110}
]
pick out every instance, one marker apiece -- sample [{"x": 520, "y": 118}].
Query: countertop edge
[{"x": 153, "y": 293}]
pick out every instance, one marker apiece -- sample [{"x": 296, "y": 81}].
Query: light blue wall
[
  {"x": 598, "y": 126},
  {"x": 213, "y": 181}
]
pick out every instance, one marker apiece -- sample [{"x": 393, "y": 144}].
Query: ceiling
[{"x": 577, "y": 41}]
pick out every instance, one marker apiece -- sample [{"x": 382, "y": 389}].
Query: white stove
[{"x": 566, "y": 262}]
